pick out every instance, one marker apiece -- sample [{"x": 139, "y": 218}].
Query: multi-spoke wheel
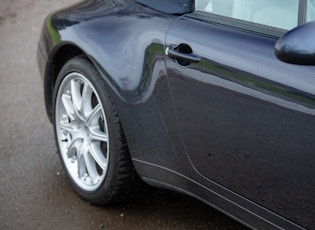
[
  {"x": 82, "y": 131},
  {"x": 89, "y": 136}
]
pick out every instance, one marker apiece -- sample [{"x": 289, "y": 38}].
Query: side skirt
[{"x": 162, "y": 177}]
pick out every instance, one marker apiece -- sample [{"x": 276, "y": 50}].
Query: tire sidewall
[{"x": 83, "y": 66}]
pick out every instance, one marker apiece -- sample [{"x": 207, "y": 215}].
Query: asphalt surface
[{"x": 34, "y": 191}]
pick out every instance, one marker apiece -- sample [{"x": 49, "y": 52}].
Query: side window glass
[
  {"x": 310, "y": 10},
  {"x": 281, "y": 14}
]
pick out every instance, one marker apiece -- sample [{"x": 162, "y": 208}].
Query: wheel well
[{"x": 64, "y": 54}]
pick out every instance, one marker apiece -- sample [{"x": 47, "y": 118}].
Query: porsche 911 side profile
[{"x": 211, "y": 98}]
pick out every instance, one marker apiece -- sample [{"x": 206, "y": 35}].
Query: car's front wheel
[{"x": 89, "y": 136}]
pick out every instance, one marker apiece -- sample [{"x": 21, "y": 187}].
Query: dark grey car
[{"x": 190, "y": 96}]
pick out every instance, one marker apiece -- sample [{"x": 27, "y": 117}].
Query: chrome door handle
[{"x": 182, "y": 52}]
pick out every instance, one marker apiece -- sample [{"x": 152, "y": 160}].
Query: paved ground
[{"x": 34, "y": 192}]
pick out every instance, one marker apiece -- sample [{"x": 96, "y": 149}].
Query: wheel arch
[
  {"x": 62, "y": 53},
  {"x": 57, "y": 58}
]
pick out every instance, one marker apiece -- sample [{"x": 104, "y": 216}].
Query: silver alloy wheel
[{"x": 82, "y": 132}]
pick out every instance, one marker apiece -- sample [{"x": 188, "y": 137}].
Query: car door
[{"x": 247, "y": 120}]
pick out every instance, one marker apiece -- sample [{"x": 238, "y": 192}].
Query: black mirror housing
[{"x": 298, "y": 45}]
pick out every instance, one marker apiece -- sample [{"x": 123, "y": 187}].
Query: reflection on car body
[{"x": 212, "y": 98}]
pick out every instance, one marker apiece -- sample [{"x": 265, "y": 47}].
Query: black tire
[{"x": 99, "y": 169}]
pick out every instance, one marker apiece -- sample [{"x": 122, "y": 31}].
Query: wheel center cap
[{"x": 85, "y": 132}]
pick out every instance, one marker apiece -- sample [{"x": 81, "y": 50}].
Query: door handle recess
[{"x": 182, "y": 53}]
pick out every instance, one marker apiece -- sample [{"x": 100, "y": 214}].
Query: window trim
[{"x": 302, "y": 12}]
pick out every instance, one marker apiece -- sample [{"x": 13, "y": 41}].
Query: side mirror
[{"x": 298, "y": 45}]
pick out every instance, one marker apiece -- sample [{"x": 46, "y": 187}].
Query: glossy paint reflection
[
  {"x": 247, "y": 120},
  {"x": 235, "y": 130},
  {"x": 124, "y": 47}
]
